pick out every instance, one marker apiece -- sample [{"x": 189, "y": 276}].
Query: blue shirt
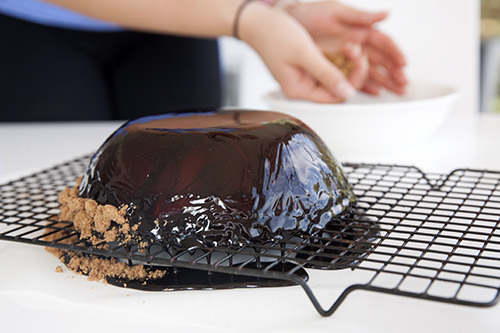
[{"x": 49, "y": 14}]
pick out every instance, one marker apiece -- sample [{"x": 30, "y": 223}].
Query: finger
[
  {"x": 360, "y": 72},
  {"x": 359, "y": 62},
  {"x": 399, "y": 77},
  {"x": 357, "y": 34},
  {"x": 371, "y": 88},
  {"x": 302, "y": 86},
  {"x": 385, "y": 44},
  {"x": 328, "y": 45},
  {"x": 315, "y": 94},
  {"x": 319, "y": 94},
  {"x": 353, "y": 16},
  {"x": 326, "y": 74},
  {"x": 377, "y": 58},
  {"x": 331, "y": 43},
  {"x": 379, "y": 75}
]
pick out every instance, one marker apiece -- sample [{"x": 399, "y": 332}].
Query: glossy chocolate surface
[{"x": 219, "y": 178}]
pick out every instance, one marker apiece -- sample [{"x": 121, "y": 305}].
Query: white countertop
[{"x": 35, "y": 298}]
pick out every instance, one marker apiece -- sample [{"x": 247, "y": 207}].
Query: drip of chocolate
[{"x": 179, "y": 278}]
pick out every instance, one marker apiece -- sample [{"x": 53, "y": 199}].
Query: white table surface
[{"x": 34, "y": 298}]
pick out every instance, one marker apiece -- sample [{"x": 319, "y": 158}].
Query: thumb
[
  {"x": 353, "y": 16},
  {"x": 329, "y": 76}
]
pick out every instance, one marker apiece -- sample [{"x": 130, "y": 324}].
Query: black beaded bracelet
[{"x": 237, "y": 18}]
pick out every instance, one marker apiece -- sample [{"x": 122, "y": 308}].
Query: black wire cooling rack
[{"x": 428, "y": 236}]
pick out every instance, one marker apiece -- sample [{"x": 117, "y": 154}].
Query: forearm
[{"x": 203, "y": 18}]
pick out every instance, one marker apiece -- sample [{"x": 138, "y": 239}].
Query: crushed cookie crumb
[
  {"x": 97, "y": 268},
  {"x": 345, "y": 65},
  {"x": 99, "y": 225},
  {"x": 96, "y": 223}
]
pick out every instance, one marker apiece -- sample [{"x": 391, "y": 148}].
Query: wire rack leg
[{"x": 328, "y": 312}]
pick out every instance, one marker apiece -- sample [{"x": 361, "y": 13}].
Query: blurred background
[{"x": 490, "y": 56}]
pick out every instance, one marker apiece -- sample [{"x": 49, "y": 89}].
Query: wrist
[
  {"x": 249, "y": 18},
  {"x": 279, "y": 4}
]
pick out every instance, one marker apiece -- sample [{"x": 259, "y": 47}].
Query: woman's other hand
[{"x": 332, "y": 24}]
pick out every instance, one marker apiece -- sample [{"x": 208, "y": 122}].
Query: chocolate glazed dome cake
[{"x": 215, "y": 178}]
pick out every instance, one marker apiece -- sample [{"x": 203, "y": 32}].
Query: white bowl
[{"x": 365, "y": 122}]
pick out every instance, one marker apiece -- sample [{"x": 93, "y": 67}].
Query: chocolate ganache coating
[{"x": 218, "y": 178}]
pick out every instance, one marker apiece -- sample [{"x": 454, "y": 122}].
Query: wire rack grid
[{"x": 427, "y": 236}]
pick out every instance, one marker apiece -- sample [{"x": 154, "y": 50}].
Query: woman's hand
[
  {"x": 386, "y": 64},
  {"x": 292, "y": 55},
  {"x": 333, "y": 25}
]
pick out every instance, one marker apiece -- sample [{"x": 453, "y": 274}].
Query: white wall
[{"x": 440, "y": 39}]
